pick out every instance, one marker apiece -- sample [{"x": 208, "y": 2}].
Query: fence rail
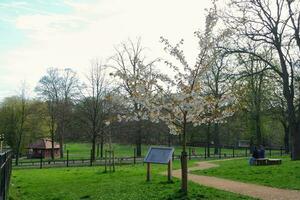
[
  {"x": 223, "y": 153},
  {"x": 5, "y": 172}
]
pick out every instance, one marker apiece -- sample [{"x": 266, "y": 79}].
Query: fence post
[
  {"x": 233, "y": 152},
  {"x": 67, "y": 158},
  {"x": 205, "y": 152},
  {"x": 270, "y": 151},
  {"x": 4, "y": 176},
  {"x": 220, "y": 152},
  {"x": 91, "y": 158}
]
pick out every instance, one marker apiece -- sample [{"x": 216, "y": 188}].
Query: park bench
[
  {"x": 261, "y": 161},
  {"x": 267, "y": 161},
  {"x": 274, "y": 161}
]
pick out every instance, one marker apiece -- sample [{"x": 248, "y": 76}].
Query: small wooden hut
[{"x": 42, "y": 148}]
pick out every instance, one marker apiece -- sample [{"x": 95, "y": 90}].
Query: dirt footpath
[{"x": 253, "y": 190}]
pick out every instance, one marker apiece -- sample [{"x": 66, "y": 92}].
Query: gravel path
[{"x": 253, "y": 190}]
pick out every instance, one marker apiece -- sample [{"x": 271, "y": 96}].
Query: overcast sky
[{"x": 38, "y": 34}]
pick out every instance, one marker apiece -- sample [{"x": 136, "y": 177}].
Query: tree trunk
[
  {"x": 208, "y": 140},
  {"x": 287, "y": 139},
  {"x": 19, "y": 146},
  {"x": 288, "y": 92},
  {"x": 138, "y": 148},
  {"x": 61, "y": 144},
  {"x": 52, "y": 124},
  {"x": 295, "y": 150},
  {"x": 216, "y": 139},
  {"x": 93, "y": 147},
  {"x": 98, "y": 150},
  {"x": 258, "y": 129},
  {"x": 52, "y": 145},
  {"x": 17, "y": 154},
  {"x": 169, "y": 140},
  {"x": 139, "y": 140},
  {"x": 184, "y": 167},
  {"x": 101, "y": 145}
]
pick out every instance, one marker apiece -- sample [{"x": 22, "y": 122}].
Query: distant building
[{"x": 42, "y": 148}]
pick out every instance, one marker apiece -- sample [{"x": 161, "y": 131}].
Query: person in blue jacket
[
  {"x": 254, "y": 156},
  {"x": 261, "y": 152}
]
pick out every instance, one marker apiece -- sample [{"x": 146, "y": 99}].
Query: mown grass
[
  {"x": 285, "y": 176},
  {"x": 91, "y": 183},
  {"x": 78, "y": 151},
  {"x": 82, "y": 150}
]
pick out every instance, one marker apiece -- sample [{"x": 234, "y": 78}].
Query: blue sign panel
[{"x": 160, "y": 155}]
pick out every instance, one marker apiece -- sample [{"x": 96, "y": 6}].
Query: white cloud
[{"x": 73, "y": 39}]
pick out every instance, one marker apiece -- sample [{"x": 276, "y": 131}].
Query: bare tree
[
  {"x": 59, "y": 88},
  {"x": 129, "y": 62},
  {"x": 255, "y": 85},
  {"x": 93, "y": 104},
  {"x": 22, "y": 114},
  {"x": 69, "y": 91},
  {"x": 217, "y": 83}
]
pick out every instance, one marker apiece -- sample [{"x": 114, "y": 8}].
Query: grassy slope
[
  {"x": 286, "y": 175},
  {"x": 128, "y": 182}
]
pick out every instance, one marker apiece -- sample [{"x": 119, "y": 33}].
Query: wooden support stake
[
  {"x": 170, "y": 171},
  {"x": 67, "y": 158},
  {"x": 113, "y": 157},
  {"x": 91, "y": 159},
  {"x": 233, "y": 152},
  {"x": 109, "y": 161},
  {"x": 134, "y": 155},
  {"x": 105, "y": 161},
  {"x": 148, "y": 171}
]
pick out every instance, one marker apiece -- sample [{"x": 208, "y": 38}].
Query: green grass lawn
[
  {"x": 82, "y": 150},
  {"x": 285, "y": 176},
  {"x": 90, "y": 183}
]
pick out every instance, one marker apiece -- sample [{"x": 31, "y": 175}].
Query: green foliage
[
  {"x": 35, "y": 125},
  {"x": 128, "y": 182},
  {"x": 286, "y": 175}
]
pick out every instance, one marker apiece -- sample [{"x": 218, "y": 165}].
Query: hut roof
[{"x": 44, "y": 143}]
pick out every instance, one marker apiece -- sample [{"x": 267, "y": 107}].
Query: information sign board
[{"x": 159, "y": 155}]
